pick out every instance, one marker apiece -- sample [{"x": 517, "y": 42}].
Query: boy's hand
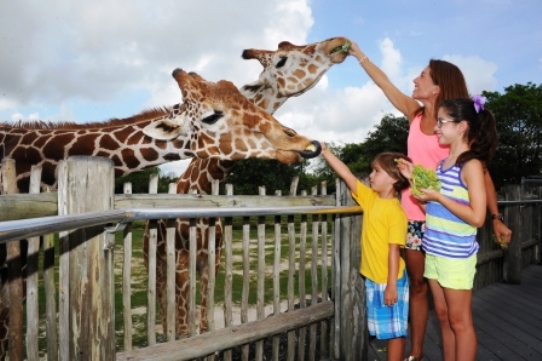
[{"x": 390, "y": 296}]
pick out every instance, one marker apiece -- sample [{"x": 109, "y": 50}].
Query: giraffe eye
[
  {"x": 281, "y": 62},
  {"x": 213, "y": 118}
]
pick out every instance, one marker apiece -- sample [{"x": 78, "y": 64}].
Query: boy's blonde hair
[{"x": 387, "y": 161}]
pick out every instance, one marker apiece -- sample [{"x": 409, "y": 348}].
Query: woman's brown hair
[{"x": 450, "y": 80}]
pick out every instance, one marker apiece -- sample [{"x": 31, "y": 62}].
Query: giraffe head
[
  {"x": 291, "y": 70},
  {"x": 222, "y": 123}
]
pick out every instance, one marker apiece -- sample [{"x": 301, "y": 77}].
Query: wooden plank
[
  {"x": 23, "y": 206},
  {"x": 51, "y": 326},
  {"x": 151, "y": 282},
  {"x": 63, "y": 272},
  {"x": 291, "y": 283},
  {"x": 127, "y": 280},
  {"x": 260, "y": 283},
  {"x": 246, "y": 279},
  {"x": 228, "y": 277},
  {"x": 314, "y": 282},
  {"x": 32, "y": 310},
  {"x": 510, "y": 339},
  {"x": 302, "y": 286},
  {"x": 276, "y": 282},
  {"x": 512, "y": 257},
  {"x": 152, "y": 264},
  {"x": 8, "y": 181},
  {"x": 208, "y": 343},
  {"x": 527, "y": 313},
  {"x": 197, "y": 200},
  {"x": 91, "y": 305},
  {"x": 324, "y": 334}
]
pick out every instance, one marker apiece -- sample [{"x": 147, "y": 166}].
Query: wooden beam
[{"x": 223, "y": 339}]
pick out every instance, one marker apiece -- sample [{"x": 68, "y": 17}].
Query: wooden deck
[{"x": 507, "y": 318}]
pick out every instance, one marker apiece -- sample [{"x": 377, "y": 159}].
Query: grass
[{"x": 139, "y": 274}]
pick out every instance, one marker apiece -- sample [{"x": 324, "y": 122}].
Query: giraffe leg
[
  {"x": 182, "y": 281},
  {"x": 204, "y": 283},
  {"x": 161, "y": 268},
  {"x": 4, "y": 319},
  {"x": 161, "y": 273},
  {"x": 204, "y": 276},
  {"x": 4, "y": 303}
]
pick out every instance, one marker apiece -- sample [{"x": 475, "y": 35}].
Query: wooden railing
[{"x": 317, "y": 310}]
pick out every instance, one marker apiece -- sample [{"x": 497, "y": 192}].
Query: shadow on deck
[{"x": 507, "y": 318}]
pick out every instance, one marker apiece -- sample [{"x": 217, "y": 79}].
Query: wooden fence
[{"x": 301, "y": 282}]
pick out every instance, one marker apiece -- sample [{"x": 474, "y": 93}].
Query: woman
[{"x": 439, "y": 81}]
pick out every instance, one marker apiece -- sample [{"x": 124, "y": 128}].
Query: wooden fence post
[
  {"x": 15, "y": 278},
  {"x": 353, "y": 340},
  {"x": 512, "y": 255},
  {"x": 86, "y": 184}
]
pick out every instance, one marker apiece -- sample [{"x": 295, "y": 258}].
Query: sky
[{"x": 96, "y": 60}]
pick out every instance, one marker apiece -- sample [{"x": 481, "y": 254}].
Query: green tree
[
  {"x": 389, "y": 136},
  {"x": 140, "y": 181},
  {"x": 248, "y": 175},
  {"x": 518, "y": 112}
]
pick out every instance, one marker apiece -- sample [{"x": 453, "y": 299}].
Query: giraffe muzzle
[{"x": 312, "y": 151}]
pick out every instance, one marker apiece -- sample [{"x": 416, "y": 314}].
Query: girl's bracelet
[{"x": 362, "y": 61}]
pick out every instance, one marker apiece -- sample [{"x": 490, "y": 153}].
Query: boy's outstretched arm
[{"x": 340, "y": 168}]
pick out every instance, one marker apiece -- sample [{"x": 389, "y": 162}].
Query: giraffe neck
[{"x": 121, "y": 140}]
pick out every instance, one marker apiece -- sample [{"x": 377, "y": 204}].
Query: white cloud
[
  {"x": 100, "y": 50},
  {"x": 479, "y": 73},
  {"x": 391, "y": 58}
]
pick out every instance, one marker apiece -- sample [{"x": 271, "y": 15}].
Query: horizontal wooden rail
[
  {"x": 23, "y": 206},
  {"x": 226, "y": 338}
]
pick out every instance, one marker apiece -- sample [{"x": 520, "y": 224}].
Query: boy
[{"x": 383, "y": 234}]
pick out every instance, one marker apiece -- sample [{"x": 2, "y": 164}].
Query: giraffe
[
  {"x": 214, "y": 120},
  {"x": 289, "y": 71}
]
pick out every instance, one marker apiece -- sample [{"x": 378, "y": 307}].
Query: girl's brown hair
[
  {"x": 388, "y": 162},
  {"x": 482, "y": 132}
]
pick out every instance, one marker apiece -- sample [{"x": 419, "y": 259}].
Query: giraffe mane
[{"x": 43, "y": 124}]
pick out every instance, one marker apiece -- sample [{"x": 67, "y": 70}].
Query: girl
[
  {"x": 383, "y": 233},
  {"x": 453, "y": 216}
]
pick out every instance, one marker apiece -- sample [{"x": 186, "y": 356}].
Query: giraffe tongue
[
  {"x": 312, "y": 150},
  {"x": 343, "y": 48}
]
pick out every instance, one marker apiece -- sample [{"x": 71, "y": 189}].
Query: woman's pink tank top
[{"x": 425, "y": 150}]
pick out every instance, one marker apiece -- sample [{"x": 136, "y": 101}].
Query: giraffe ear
[{"x": 164, "y": 130}]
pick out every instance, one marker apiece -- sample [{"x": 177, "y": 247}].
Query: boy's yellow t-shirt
[{"x": 384, "y": 223}]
